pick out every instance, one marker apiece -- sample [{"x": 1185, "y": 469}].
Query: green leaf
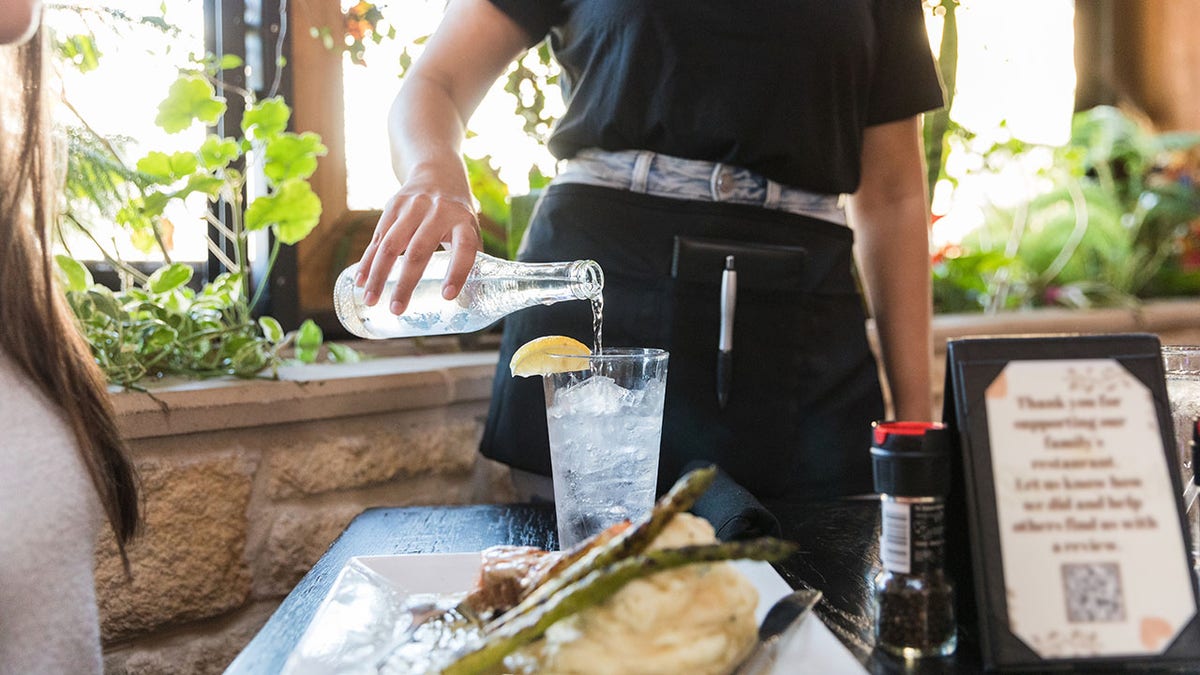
[
  {"x": 537, "y": 179},
  {"x": 266, "y": 119},
  {"x": 156, "y": 164},
  {"x": 309, "y": 336},
  {"x": 271, "y": 329},
  {"x": 143, "y": 239},
  {"x": 158, "y": 335},
  {"x": 183, "y": 163},
  {"x": 487, "y": 187},
  {"x": 104, "y": 302},
  {"x": 225, "y": 289},
  {"x": 293, "y": 210},
  {"x": 82, "y": 305},
  {"x": 191, "y": 98},
  {"x": 169, "y": 167},
  {"x": 292, "y": 156},
  {"x": 81, "y": 51},
  {"x": 74, "y": 274},
  {"x": 308, "y": 341},
  {"x": 131, "y": 216},
  {"x": 199, "y": 182},
  {"x": 153, "y": 204},
  {"x": 169, "y": 277},
  {"x": 248, "y": 360},
  {"x": 230, "y": 61},
  {"x": 339, "y": 353},
  {"x": 217, "y": 152}
]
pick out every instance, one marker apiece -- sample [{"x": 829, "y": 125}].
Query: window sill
[
  {"x": 305, "y": 393},
  {"x": 1167, "y": 317}
]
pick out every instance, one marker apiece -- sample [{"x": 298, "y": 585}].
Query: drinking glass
[
  {"x": 604, "y": 416},
  {"x": 1182, "y": 364}
]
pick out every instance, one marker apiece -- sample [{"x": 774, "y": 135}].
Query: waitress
[{"x": 696, "y": 130}]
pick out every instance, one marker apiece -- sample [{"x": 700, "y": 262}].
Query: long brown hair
[{"x": 37, "y": 329}]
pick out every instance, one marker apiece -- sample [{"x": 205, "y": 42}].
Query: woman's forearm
[
  {"x": 896, "y": 275},
  {"x": 891, "y": 222},
  {"x": 426, "y": 129}
]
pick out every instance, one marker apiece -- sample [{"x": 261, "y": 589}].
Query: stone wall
[{"x": 245, "y": 484}]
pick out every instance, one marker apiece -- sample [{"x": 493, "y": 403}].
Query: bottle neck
[
  {"x": 575, "y": 280},
  {"x": 912, "y": 534}
]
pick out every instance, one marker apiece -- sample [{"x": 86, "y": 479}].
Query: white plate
[{"x": 358, "y": 614}]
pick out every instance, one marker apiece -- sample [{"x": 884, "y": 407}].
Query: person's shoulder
[
  {"x": 44, "y": 487},
  {"x": 25, "y": 409}
]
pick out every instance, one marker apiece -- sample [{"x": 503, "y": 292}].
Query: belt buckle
[{"x": 724, "y": 183}]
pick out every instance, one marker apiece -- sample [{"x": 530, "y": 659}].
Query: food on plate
[
  {"x": 506, "y": 574},
  {"x": 651, "y": 597},
  {"x": 509, "y": 573},
  {"x": 696, "y": 619}
]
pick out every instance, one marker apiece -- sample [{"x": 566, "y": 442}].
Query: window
[
  {"x": 118, "y": 62},
  {"x": 117, "y": 99},
  {"x": 1016, "y": 78},
  {"x": 369, "y": 90}
]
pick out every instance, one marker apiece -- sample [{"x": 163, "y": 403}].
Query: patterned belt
[{"x": 665, "y": 176}]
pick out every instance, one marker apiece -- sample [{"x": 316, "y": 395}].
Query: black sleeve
[
  {"x": 536, "y": 17},
  {"x": 905, "y": 80}
]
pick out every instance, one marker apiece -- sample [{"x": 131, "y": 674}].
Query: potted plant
[
  {"x": 160, "y": 323},
  {"x": 1117, "y": 220}
]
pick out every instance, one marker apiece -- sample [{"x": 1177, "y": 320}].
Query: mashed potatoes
[{"x": 695, "y": 619}]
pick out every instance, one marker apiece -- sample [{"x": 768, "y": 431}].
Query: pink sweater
[{"x": 49, "y": 518}]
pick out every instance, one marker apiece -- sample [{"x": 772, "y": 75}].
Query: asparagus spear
[
  {"x": 580, "y": 550},
  {"x": 598, "y": 586},
  {"x": 632, "y": 541}
]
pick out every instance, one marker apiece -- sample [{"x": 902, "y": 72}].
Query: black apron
[{"x": 805, "y": 385}]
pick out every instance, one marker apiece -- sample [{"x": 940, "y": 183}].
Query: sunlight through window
[
  {"x": 1016, "y": 78},
  {"x": 119, "y": 100},
  {"x": 369, "y": 90}
]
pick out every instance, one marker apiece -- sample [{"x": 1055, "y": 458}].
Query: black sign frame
[{"x": 973, "y": 535}]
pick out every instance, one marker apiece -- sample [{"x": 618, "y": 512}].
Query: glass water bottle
[
  {"x": 914, "y": 600},
  {"x": 494, "y": 289}
]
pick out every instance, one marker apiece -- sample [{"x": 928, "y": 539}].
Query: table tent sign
[{"x": 1067, "y": 521}]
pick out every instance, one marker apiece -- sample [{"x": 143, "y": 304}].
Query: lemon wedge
[{"x": 534, "y": 357}]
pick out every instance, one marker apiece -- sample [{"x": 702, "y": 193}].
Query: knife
[{"x": 784, "y": 617}]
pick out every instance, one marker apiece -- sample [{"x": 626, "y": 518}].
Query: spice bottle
[
  {"x": 494, "y": 289},
  {"x": 914, "y": 601}
]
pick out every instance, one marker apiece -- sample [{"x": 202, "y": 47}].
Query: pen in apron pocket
[{"x": 725, "y": 342}]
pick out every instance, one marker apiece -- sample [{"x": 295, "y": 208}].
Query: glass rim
[
  {"x": 617, "y": 354},
  {"x": 1181, "y": 362},
  {"x": 1180, "y": 349}
]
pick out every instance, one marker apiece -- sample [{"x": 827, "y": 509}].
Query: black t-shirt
[{"x": 781, "y": 87}]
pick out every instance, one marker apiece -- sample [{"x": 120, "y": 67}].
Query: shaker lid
[{"x": 911, "y": 459}]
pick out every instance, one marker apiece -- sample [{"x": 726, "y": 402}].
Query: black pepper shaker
[{"x": 914, "y": 600}]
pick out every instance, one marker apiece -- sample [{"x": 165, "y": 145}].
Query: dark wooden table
[{"x": 839, "y": 554}]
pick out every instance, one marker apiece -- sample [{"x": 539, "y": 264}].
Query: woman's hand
[{"x": 424, "y": 214}]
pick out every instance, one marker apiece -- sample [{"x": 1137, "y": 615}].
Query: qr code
[{"x": 1093, "y": 592}]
